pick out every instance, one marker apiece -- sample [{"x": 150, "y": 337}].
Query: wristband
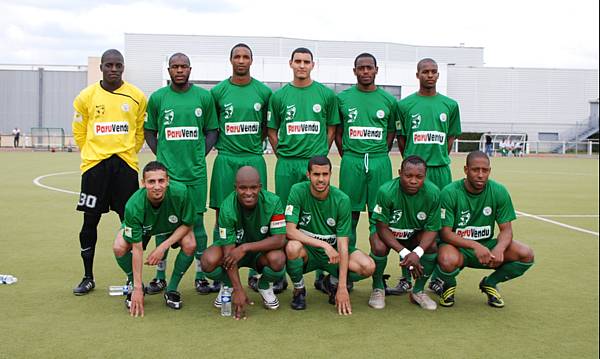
[
  {"x": 403, "y": 253},
  {"x": 418, "y": 251}
]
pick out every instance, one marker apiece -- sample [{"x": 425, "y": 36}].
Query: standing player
[
  {"x": 242, "y": 103},
  {"x": 108, "y": 128},
  {"x": 318, "y": 231},
  {"x": 429, "y": 124},
  {"x": 364, "y": 137},
  {"x": 470, "y": 208},
  {"x": 251, "y": 234},
  {"x": 407, "y": 219},
  {"x": 157, "y": 207},
  {"x": 181, "y": 129}
]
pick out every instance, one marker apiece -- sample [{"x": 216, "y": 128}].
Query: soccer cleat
[
  {"x": 217, "y": 302},
  {"x": 215, "y": 287},
  {"x": 202, "y": 286},
  {"x": 86, "y": 285},
  {"x": 331, "y": 289},
  {"x": 280, "y": 285},
  {"x": 319, "y": 283},
  {"x": 173, "y": 300},
  {"x": 423, "y": 300},
  {"x": 494, "y": 297},
  {"x": 403, "y": 286},
  {"x": 299, "y": 299},
  {"x": 377, "y": 299},
  {"x": 128, "y": 297},
  {"x": 447, "y": 297},
  {"x": 269, "y": 298},
  {"x": 437, "y": 286},
  {"x": 253, "y": 283},
  {"x": 128, "y": 301},
  {"x": 156, "y": 286}
]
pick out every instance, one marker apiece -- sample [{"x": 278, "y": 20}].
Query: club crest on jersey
[
  {"x": 396, "y": 215},
  {"x": 228, "y": 111},
  {"x": 290, "y": 113},
  {"x": 316, "y": 108},
  {"x": 257, "y": 106},
  {"x": 128, "y": 231},
  {"x": 305, "y": 219},
  {"x": 421, "y": 216},
  {"x": 239, "y": 235},
  {"x": 465, "y": 216},
  {"x": 352, "y": 114},
  {"x": 377, "y": 209},
  {"x": 416, "y": 120},
  {"x": 168, "y": 117},
  {"x": 264, "y": 229},
  {"x": 487, "y": 211},
  {"x": 289, "y": 210},
  {"x": 198, "y": 112},
  {"x": 222, "y": 233},
  {"x": 443, "y": 117},
  {"x": 330, "y": 222},
  {"x": 77, "y": 117},
  {"x": 380, "y": 114},
  {"x": 125, "y": 107},
  {"x": 173, "y": 219}
]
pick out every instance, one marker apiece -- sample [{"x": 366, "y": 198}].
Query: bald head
[
  {"x": 247, "y": 174},
  {"x": 247, "y": 186}
]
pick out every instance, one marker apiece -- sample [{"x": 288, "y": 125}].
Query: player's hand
[
  {"x": 484, "y": 256},
  {"x": 413, "y": 263},
  {"x": 155, "y": 256},
  {"x": 497, "y": 257},
  {"x": 137, "y": 303},
  {"x": 342, "y": 300},
  {"x": 334, "y": 256},
  {"x": 240, "y": 300},
  {"x": 233, "y": 257}
]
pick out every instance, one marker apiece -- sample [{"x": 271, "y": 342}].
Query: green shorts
[
  {"x": 470, "y": 259},
  {"x": 317, "y": 259},
  {"x": 250, "y": 260},
  {"x": 224, "y": 170},
  {"x": 288, "y": 172},
  {"x": 440, "y": 176},
  {"x": 361, "y": 175},
  {"x": 198, "y": 194}
]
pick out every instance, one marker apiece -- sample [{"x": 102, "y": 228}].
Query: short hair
[
  {"x": 179, "y": 54},
  {"x": 241, "y": 44},
  {"x": 319, "y": 161},
  {"x": 413, "y": 160},
  {"x": 476, "y": 154},
  {"x": 154, "y": 166},
  {"x": 365, "y": 54},
  {"x": 110, "y": 52},
  {"x": 425, "y": 61},
  {"x": 301, "y": 50}
]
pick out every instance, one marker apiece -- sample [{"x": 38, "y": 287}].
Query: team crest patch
[
  {"x": 305, "y": 219},
  {"x": 316, "y": 108},
  {"x": 173, "y": 218},
  {"x": 128, "y": 231},
  {"x": 487, "y": 211},
  {"x": 443, "y": 117},
  {"x": 380, "y": 114},
  {"x": 421, "y": 216},
  {"x": 289, "y": 209},
  {"x": 257, "y": 106},
  {"x": 125, "y": 107},
  {"x": 168, "y": 117},
  {"x": 77, "y": 117},
  {"x": 416, "y": 120},
  {"x": 352, "y": 114},
  {"x": 330, "y": 222},
  {"x": 443, "y": 213},
  {"x": 377, "y": 209},
  {"x": 264, "y": 229},
  {"x": 396, "y": 215},
  {"x": 222, "y": 233},
  {"x": 198, "y": 112}
]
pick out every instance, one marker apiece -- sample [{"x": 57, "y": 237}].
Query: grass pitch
[{"x": 551, "y": 312}]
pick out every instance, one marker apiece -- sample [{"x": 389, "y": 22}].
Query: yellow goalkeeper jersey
[{"x": 107, "y": 123}]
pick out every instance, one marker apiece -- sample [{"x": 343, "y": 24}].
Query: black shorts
[{"x": 107, "y": 186}]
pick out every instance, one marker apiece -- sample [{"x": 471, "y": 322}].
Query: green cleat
[{"x": 494, "y": 299}]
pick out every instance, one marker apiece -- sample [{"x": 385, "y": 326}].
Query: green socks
[
  {"x": 125, "y": 262},
  {"x": 182, "y": 263},
  {"x": 270, "y": 276},
  {"x": 201, "y": 239},
  {"x": 448, "y": 278},
  {"x": 295, "y": 269},
  {"x": 507, "y": 271},
  {"x": 380, "y": 263},
  {"x": 221, "y": 275},
  {"x": 162, "y": 265},
  {"x": 428, "y": 261}
]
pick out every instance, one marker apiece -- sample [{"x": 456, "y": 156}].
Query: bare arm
[
  {"x": 401, "y": 144},
  {"x": 342, "y": 298},
  {"x": 233, "y": 256},
  {"x": 211, "y": 140},
  {"x": 450, "y": 143},
  {"x": 293, "y": 233},
  {"x": 387, "y": 237},
  {"x": 151, "y": 137},
  {"x": 330, "y": 135},
  {"x": 339, "y": 132},
  {"x": 390, "y": 140},
  {"x": 504, "y": 239},
  {"x": 137, "y": 297},
  {"x": 273, "y": 139},
  {"x": 157, "y": 254},
  {"x": 483, "y": 254}
]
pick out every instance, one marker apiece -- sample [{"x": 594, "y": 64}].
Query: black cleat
[
  {"x": 86, "y": 285},
  {"x": 404, "y": 286},
  {"x": 156, "y": 286},
  {"x": 299, "y": 299},
  {"x": 330, "y": 288},
  {"x": 319, "y": 283},
  {"x": 202, "y": 286},
  {"x": 253, "y": 283},
  {"x": 494, "y": 297},
  {"x": 447, "y": 297},
  {"x": 215, "y": 287},
  {"x": 280, "y": 285},
  {"x": 437, "y": 286},
  {"x": 173, "y": 300}
]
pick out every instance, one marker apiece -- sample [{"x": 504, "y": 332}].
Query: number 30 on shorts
[{"x": 87, "y": 200}]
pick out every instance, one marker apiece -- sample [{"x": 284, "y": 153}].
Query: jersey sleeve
[
  {"x": 454, "y": 128},
  {"x": 80, "y": 120},
  {"x": 139, "y": 121},
  {"x": 152, "y": 113},
  {"x": 344, "y": 222},
  {"x": 401, "y": 121},
  {"x": 266, "y": 95},
  {"x": 292, "y": 209},
  {"x": 273, "y": 117},
  {"x": 333, "y": 114},
  {"x": 505, "y": 211},
  {"x": 394, "y": 117},
  {"x": 210, "y": 120},
  {"x": 434, "y": 222},
  {"x": 277, "y": 222},
  {"x": 381, "y": 212},
  {"x": 132, "y": 226},
  {"x": 227, "y": 231},
  {"x": 447, "y": 208}
]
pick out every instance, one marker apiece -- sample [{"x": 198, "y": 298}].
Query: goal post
[{"x": 47, "y": 138}]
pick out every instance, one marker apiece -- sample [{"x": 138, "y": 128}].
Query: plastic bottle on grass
[
  {"x": 7, "y": 279},
  {"x": 226, "y": 302},
  {"x": 115, "y": 290}
]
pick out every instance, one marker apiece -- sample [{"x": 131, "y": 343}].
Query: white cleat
[
  {"x": 269, "y": 298},
  {"x": 423, "y": 300},
  {"x": 377, "y": 299}
]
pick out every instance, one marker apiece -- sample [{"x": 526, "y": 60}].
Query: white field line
[
  {"x": 568, "y": 215},
  {"x": 557, "y": 223},
  {"x": 37, "y": 182}
]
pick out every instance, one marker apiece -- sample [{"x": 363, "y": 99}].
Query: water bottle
[
  {"x": 9, "y": 279},
  {"x": 115, "y": 290},
  {"x": 226, "y": 301}
]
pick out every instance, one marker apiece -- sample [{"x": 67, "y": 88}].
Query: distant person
[
  {"x": 470, "y": 209},
  {"x": 108, "y": 128},
  {"x": 504, "y": 145},
  {"x": 489, "y": 145},
  {"x": 17, "y": 134}
]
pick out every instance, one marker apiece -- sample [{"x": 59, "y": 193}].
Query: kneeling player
[
  {"x": 251, "y": 234},
  {"x": 156, "y": 208},
  {"x": 318, "y": 220},
  {"x": 469, "y": 208},
  {"x": 407, "y": 219}
]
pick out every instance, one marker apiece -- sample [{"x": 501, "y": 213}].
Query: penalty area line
[
  {"x": 557, "y": 223},
  {"x": 36, "y": 181}
]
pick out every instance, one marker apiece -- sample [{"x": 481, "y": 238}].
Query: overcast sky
[{"x": 513, "y": 33}]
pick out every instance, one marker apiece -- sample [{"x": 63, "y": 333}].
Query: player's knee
[
  {"x": 368, "y": 267},
  {"x": 433, "y": 248},
  {"x": 276, "y": 260},
  {"x": 118, "y": 249},
  {"x": 211, "y": 258},
  {"x": 188, "y": 245},
  {"x": 292, "y": 249},
  {"x": 527, "y": 256},
  {"x": 447, "y": 261}
]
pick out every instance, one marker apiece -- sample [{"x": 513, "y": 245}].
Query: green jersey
[
  {"x": 238, "y": 225},
  {"x": 325, "y": 219},
  {"x": 142, "y": 220},
  {"x": 180, "y": 118},
  {"x": 472, "y": 216},
  {"x": 426, "y": 122},
  {"x": 242, "y": 112},
  {"x": 406, "y": 214},
  {"x": 301, "y": 116},
  {"x": 367, "y": 118}
]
